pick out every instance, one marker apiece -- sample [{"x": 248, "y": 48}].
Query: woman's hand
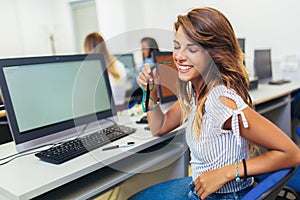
[
  {"x": 147, "y": 75},
  {"x": 209, "y": 182}
]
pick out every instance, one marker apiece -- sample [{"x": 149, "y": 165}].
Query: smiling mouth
[{"x": 184, "y": 68}]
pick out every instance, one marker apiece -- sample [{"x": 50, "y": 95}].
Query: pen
[
  {"x": 129, "y": 144},
  {"x": 147, "y": 97},
  {"x": 153, "y": 66}
]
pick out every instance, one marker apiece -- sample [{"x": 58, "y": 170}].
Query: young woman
[
  {"x": 215, "y": 104},
  {"x": 94, "y": 43}
]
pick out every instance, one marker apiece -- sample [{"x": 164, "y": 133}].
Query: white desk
[
  {"x": 274, "y": 102},
  {"x": 88, "y": 175}
]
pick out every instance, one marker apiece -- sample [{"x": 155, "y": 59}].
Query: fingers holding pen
[
  {"x": 149, "y": 73},
  {"x": 145, "y": 75}
]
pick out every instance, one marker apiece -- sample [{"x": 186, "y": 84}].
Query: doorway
[{"x": 85, "y": 21}]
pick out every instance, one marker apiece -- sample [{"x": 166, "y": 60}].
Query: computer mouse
[{"x": 143, "y": 120}]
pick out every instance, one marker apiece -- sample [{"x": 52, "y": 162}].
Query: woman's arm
[
  {"x": 160, "y": 123},
  {"x": 281, "y": 152}
]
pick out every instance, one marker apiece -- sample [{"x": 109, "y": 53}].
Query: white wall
[
  {"x": 265, "y": 24},
  {"x": 10, "y": 37},
  {"x": 26, "y": 25}
]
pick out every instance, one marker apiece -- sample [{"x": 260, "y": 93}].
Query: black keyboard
[{"x": 81, "y": 145}]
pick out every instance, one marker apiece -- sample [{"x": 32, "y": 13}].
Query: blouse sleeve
[{"x": 218, "y": 113}]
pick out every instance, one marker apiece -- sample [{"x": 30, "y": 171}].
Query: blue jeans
[
  {"x": 235, "y": 195},
  {"x": 180, "y": 189},
  {"x": 176, "y": 189}
]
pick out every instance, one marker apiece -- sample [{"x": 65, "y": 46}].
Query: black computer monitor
[
  {"x": 263, "y": 65},
  {"x": 51, "y": 98},
  {"x": 128, "y": 60},
  {"x": 168, "y": 76},
  {"x": 242, "y": 46}
]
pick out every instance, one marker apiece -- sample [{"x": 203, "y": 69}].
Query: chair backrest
[
  {"x": 295, "y": 110},
  {"x": 294, "y": 182},
  {"x": 270, "y": 187},
  {"x": 295, "y": 107}
]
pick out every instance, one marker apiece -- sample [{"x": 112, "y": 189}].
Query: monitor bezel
[
  {"x": 162, "y": 98},
  {"x": 54, "y": 132}
]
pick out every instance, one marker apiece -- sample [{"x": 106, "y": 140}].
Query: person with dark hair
[
  {"x": 222, "y": 128},
  {"x": 148, "y": 45}
]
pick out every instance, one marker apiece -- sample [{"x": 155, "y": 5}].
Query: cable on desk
[
  {"x": 16, "y": 156},
  {"x": 113, "y": 121}
]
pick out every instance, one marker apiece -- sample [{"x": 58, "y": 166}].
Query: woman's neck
[{"x": 198, "y": 86}]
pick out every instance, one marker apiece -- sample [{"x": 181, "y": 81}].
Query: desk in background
[{"x": 274, "y": 102}]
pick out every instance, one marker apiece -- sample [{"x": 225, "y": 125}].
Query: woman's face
[
  {"x": 145, "y": 49},
  {"x": 190, "y": 58}
]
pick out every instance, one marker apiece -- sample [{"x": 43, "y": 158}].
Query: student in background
[
  {"x": 94, "y": 43},
  {"x": 222, "y": 128},
  {"x": 2, "y": 110},
  {"x": 148, "y": 45}
]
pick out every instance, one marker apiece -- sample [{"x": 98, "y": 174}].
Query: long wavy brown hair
[
  {"x": 213, "y": 32},
  {"x": 94, "y": 43}
]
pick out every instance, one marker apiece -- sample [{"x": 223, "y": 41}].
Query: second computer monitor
[
  {"x": 263, "y": 65},
  {"x": 168, "y": 76},
  {"x": 128, "y": 60},
  {"x": 242, "y": 44}
]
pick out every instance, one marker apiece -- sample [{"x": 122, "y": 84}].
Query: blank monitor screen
[
  {"x": 45, "y": 96},
  {"x": 168, "y": 76},
  {"x": 263, "y": 65}
]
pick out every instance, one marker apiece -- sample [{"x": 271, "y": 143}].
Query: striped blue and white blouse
[{"x": 218, "y": 147}]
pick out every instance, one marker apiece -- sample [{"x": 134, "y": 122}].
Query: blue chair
[
  {"x": 295, "y": 110},
  {"x": 292, "y": 188},
  {"x": 271, "y": 185}
]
